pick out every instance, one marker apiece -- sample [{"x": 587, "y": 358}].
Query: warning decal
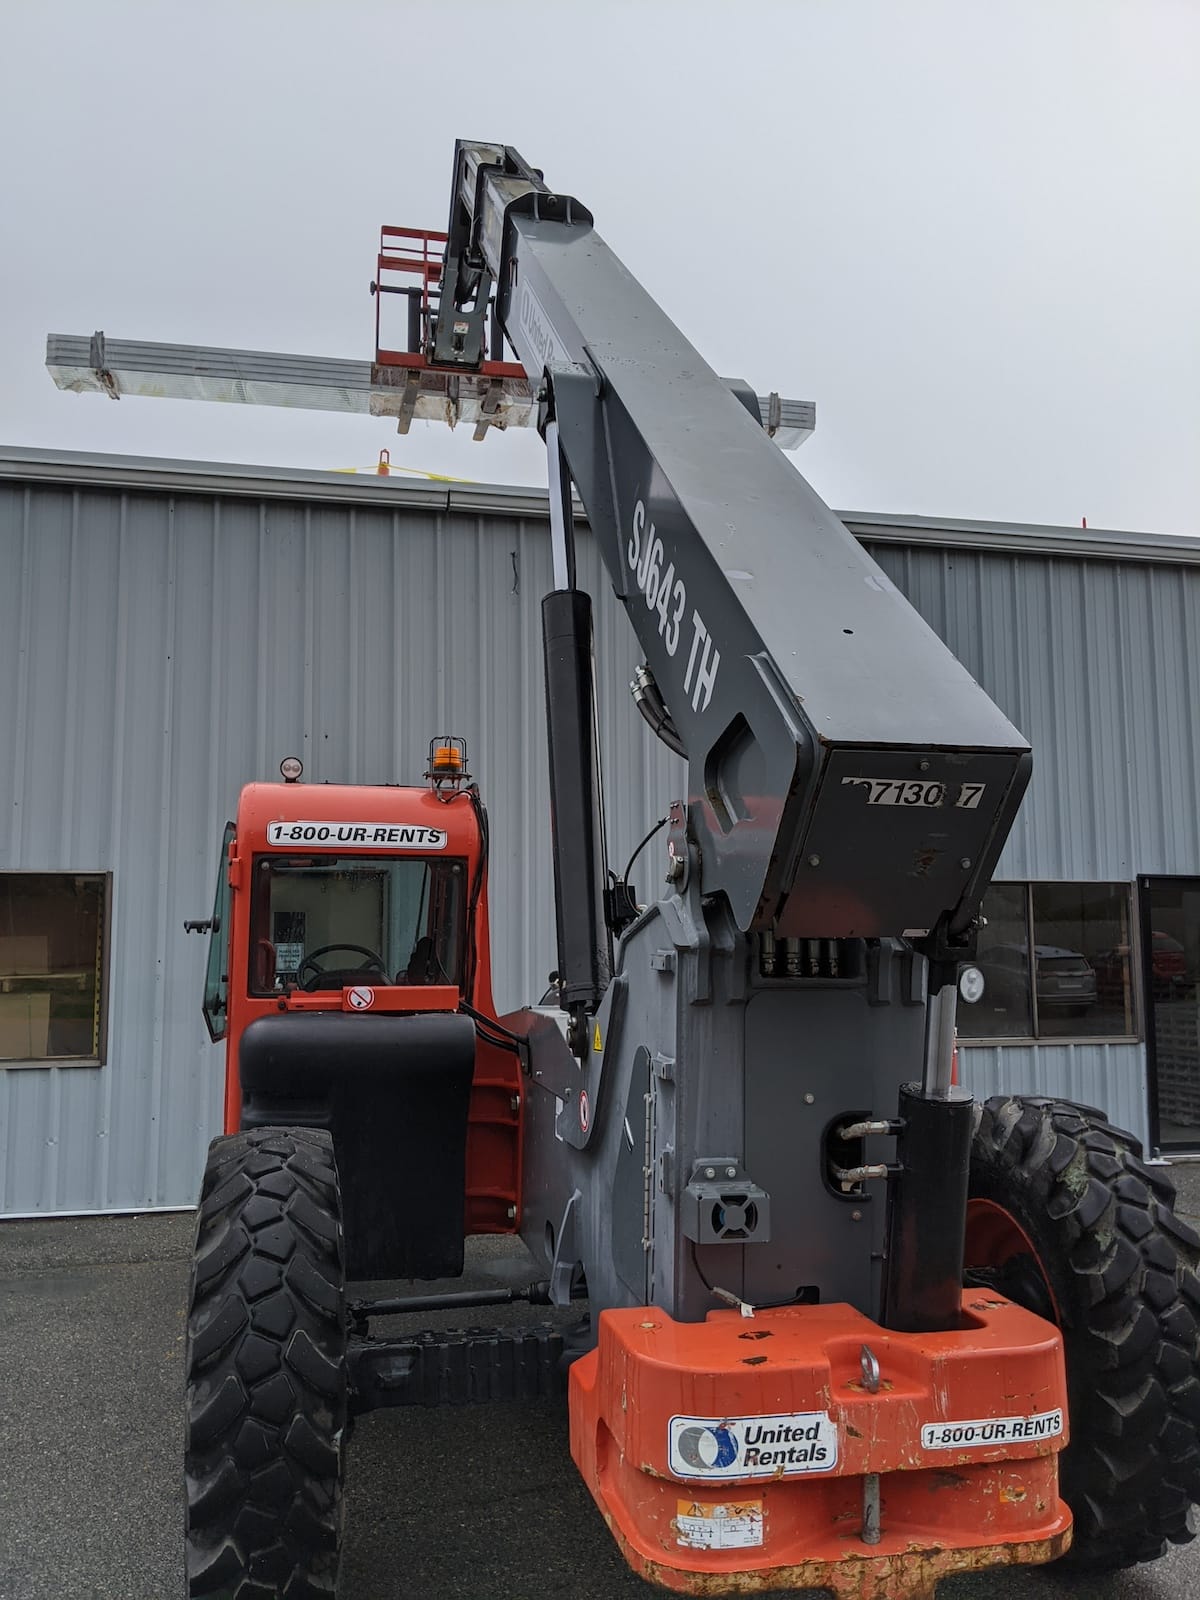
[
  {"x": 392, "y": 835},
  {"x": 288, "y": 955},
  {"x": 728, "y": 1525}
]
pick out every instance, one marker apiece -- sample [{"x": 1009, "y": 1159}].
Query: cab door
[{"x": 216, "y": 978}]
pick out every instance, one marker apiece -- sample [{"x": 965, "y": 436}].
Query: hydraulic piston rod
[{"x": 928, "y": 1200}]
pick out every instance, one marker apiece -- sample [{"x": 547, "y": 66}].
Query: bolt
[
  {"x": 856, "y": 1216},
  {"x": 710, "y": 1172},
  {"x": 965, "y": 863},
  {"x": 809, "y": 1099},
  {"x": 731, "y": 1172},
  {"x": 922, "y": 766},
  {"x": 814, "y": 861}
]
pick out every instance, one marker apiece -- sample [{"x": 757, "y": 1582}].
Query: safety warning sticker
[
  {"x": 728, "y": 1525},
  {"x": 392, "y": 835},
  {"x": 288, "y": 955},
  {"x": 991, "y": 1430},
  {"x": 752, "y": 1447}
]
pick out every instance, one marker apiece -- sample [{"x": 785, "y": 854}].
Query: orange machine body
[
  {"x": 369, "y": 821},
  {"x": 737, "y": 1454}
]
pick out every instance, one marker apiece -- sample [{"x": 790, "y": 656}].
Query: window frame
[
  {"x": 1147, "y": 883},
  {"x": 434, "y": 864},
  {"x": 100, "y": 1057},
  {"x": 1002, "y": 1041}
]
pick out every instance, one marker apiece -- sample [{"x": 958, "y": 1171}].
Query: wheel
[
  {"x": 1065, "y": 1219},
  {"x": 266, "y": 1371}
]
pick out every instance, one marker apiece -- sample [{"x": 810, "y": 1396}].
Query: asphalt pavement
[{"x": 461, "y": 1504}]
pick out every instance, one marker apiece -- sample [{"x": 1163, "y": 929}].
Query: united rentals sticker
[
  {"x": 991, "y": 1431},
  {"x": 328, "y": 835},
  {"x": 752, "y": 1447}
]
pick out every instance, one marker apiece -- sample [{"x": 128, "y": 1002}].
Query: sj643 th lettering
[{"x": 665, "y": 592}]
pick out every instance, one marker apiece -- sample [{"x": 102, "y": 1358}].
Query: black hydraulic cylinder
[
  {"x": 497, "y": 338},
  {"x": 576, "y": 806},
  {"x": 928, "y": 1212}
]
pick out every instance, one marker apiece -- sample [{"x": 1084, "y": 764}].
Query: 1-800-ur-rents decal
[{"x": 395, "y": 835}]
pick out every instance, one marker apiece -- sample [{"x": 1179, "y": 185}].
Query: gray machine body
[
  {"x": 699, "y": 1063},
  {"x": 850, "y": 788},
  {"x": 800, "y": 680}
]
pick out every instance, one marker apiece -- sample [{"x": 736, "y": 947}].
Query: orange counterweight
[{"x": 740, "y": 1453}]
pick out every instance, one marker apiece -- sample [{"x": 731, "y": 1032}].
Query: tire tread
[
  {"x": 266, "y": 1371},
  {"x": 1122, "y": 1271}
]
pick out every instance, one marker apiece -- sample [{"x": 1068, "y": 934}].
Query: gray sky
[{"x": 968, "y": 229}]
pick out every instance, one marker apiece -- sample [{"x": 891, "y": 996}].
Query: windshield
[{"x": 325, "y": 922}]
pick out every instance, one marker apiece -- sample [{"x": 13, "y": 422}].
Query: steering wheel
[{"x": 372, "y": 963}]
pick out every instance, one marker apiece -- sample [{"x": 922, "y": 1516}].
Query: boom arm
[{"x": 847, "y": 777}]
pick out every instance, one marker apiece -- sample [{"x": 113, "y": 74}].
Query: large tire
[
  {"x": 266, "y": 1371},
  {"x": 1066, "y": 1219}
]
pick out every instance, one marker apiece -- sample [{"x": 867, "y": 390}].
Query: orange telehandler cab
[
  {"x": 847, "y": 1329},
  {"x": 350, "y": 978}
]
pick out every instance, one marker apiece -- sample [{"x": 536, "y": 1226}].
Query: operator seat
[{"x": 421, "y": 962}]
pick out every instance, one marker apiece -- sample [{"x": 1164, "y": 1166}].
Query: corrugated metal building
[{"x": 168, "y": 631}]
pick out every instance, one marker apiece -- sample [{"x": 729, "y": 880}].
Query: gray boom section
[{"x": 847, "y": 776}]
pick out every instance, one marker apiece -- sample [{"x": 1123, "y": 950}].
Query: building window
[
  {"x": 53, "y": 959},
  {"x": 1079, "y": 983}
]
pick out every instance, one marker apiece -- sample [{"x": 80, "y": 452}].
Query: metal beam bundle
[{"x": 119, "y": 367}]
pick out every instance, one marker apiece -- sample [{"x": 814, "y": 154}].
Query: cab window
[{"x": 323, "y": 922}]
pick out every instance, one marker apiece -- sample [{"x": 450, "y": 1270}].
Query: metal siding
[
  {"x": 166, "y": 648},
  {"x": 1110, "y": 1076},
  {"x": 165, "y": 640},
  {"x": 1096, "y": 661}
]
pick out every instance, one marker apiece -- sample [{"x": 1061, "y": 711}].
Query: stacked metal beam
[{"x": 119, "y": 367}]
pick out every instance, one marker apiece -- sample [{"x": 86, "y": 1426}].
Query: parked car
[
  {"x": 1066, "y": 980},
  {"x": 1168, "y": 970}
]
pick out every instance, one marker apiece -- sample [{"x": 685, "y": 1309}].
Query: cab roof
[{"x": 369, "y": 819}]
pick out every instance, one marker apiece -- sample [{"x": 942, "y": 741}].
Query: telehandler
[{"x": 846, "y": 1327}]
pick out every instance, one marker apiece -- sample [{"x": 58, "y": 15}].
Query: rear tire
[
  {"x": 266, "y": 1371},
  {"x": 1066, "y": 1219}
]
